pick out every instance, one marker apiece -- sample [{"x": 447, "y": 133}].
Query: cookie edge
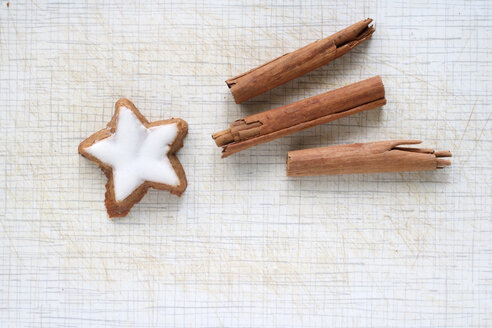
[{"x": 116, "y": 208}]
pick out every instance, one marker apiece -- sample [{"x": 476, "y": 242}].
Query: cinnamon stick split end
[
  {"x": 239, "y": 130},
  {"x": 442, "y": 163},
  {"x": 372, "y": 157},
  {"x": 297, "y": 63},
  {"x": 223, "y": 137},
  {"x": 443, "y": 153}
]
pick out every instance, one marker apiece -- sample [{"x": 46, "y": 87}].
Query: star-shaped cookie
[{"x": 136, "y": 155}]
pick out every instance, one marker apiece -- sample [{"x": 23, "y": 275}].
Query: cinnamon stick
[
  {"x": 269, "y": 125},
  {"x": 297, "y": 63},
  {"x": 381, "y": 156}
]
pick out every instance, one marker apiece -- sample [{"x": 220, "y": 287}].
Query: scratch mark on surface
[
  {"x": 10, "y": 241},
  {"x": 469, "y": 118},
  {"x": 480, "y": 135}
]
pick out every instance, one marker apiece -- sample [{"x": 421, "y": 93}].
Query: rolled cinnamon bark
[
  {"x": 269, "y": 125},
  {"x": 381, "y": 156},
  {"x": 297, "y": 63}
]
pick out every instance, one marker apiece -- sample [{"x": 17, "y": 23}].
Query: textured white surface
[{"x": 245, "y": 245}]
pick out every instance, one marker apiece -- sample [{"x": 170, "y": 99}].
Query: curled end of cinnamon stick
[
  {"x": 440, "y": 162},
  {"x": 223, "y": 137},
  {"x": 354, "y": 34},
  {"x": 240, "y": 130},
  {"x": 443, "y": 153},
  {"x": 230, "y": 83}
]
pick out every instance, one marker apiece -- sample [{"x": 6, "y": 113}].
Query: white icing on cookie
[{"x": 137, "y": 154}]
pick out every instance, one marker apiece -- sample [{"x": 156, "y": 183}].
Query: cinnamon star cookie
[{"x": 135, "y": 155}]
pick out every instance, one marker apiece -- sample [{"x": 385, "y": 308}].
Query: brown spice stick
[
  {"x": 294, "y": 64},
  {"x": 269, "y": 125},
  {"x": 381, "y": 156}
]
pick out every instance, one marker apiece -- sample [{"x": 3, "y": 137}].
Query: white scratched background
[{"x": 245, "y": 245}]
